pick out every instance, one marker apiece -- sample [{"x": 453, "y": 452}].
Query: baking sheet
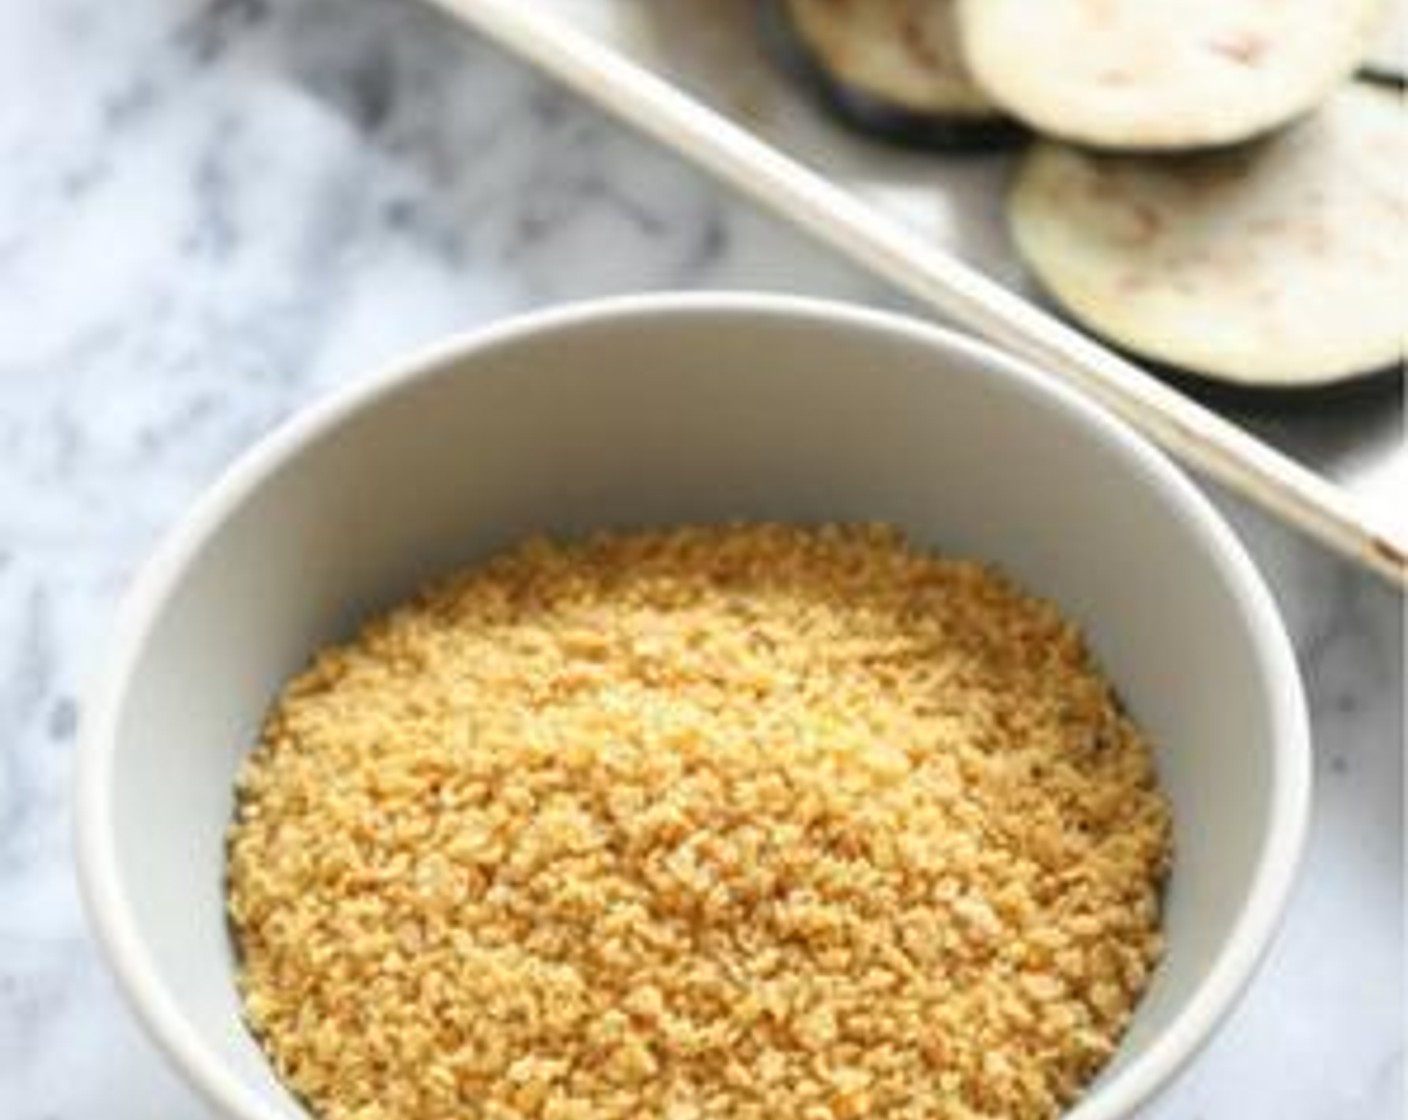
[{"x": 1355, "y": 478}]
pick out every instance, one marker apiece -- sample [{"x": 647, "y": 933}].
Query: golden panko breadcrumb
[{"x": 748, "y": 822}]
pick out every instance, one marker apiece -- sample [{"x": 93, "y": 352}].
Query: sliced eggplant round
[
  {"x": 894, "y": 69},
  {"x": 1276, "y": 265},
  {"x": 1387, "y": 59},
  {"x": 1163, "y": 75}
]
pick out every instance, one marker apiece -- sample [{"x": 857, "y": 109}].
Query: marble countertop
[{"x": 212, "y": 211}]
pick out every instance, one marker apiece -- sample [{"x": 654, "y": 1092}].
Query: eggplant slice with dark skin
[
  {"x": 1387, "y": 79},
  {"x": 1163, "y": 75},
  {"x": 1387, "y": 60},
  {"x": 891, "y": 69},
  {"x": 1277, "y": 266}
]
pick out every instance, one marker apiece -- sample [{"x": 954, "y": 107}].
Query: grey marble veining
[{"x": 212, "y": 211}]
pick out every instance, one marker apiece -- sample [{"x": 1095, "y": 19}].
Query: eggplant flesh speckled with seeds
[
  {"x": 1278, "y": 265},
  {"x": 1151, "y": 75},
  {"x": 889, "y": 68}
]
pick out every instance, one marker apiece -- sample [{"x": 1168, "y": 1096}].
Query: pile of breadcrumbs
[{"x": 755, "y": 821}]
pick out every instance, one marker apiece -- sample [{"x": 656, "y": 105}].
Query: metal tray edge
[{"x": 806, "y": 199}]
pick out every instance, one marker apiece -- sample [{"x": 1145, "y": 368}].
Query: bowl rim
[{"x": 1282, "y": 845}]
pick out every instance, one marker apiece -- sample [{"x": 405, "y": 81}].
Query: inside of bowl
[{"x": 671, "y": 418}]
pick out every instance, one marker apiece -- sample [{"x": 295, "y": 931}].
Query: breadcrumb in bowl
[{"x": 738, "y": 821}]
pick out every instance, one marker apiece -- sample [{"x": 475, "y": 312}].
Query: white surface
[
  {"x": 647, "y": 413},
  {"x": 211, "y": 212}
]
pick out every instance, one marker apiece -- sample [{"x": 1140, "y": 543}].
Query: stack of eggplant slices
[{"x": 1217, "y": 186}]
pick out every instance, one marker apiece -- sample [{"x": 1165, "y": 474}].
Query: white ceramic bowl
[{"x": 667, "y": 410}]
